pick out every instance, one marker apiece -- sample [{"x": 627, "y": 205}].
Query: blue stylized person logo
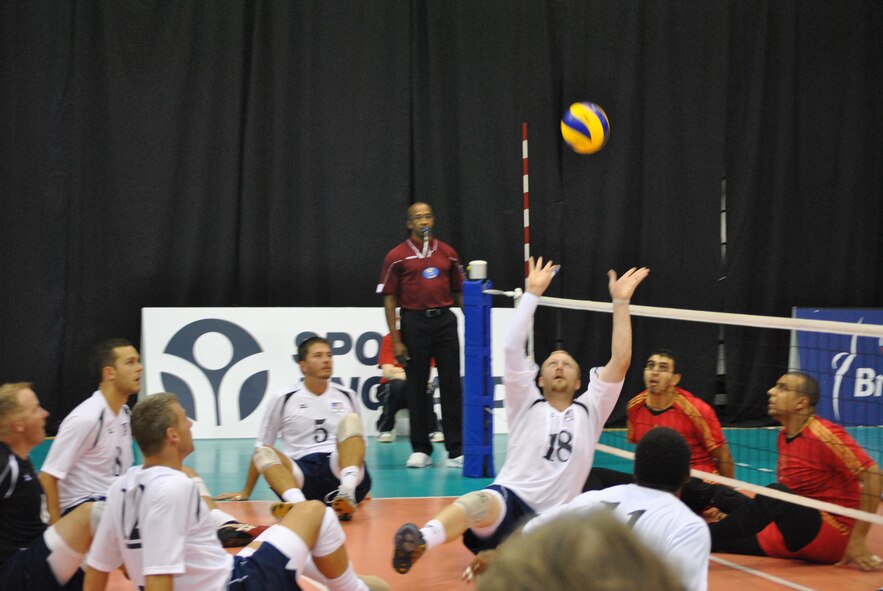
[{"x": 215, "y": 346}]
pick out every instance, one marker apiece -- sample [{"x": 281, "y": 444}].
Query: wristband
[{"x": 618, "y": 301}]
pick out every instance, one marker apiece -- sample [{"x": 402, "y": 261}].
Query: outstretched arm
[
  {"x": 621, "y": 290},
  {"x": 538, "y": 279}
]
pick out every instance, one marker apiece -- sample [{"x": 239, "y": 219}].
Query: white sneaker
[
  {"x": 418, "y": 459},
  {"x": 386, "y": 437},
  {"x": 437, "y": 437},
  {"x": 455, "y": 462}
]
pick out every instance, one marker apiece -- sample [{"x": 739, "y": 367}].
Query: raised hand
[
  {"x": 623, "y": 287},
  {"x": 539, "y": 276}
]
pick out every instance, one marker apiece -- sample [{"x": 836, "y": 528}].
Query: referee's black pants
[{"x": 426, "y": 339}]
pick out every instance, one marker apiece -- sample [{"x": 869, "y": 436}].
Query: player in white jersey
[
  {"x": 323, "y": 441},
  {"x": 94, "y": 444},
  {"x": 652, "y": 509},
  {"x": 552, "y": 435},
  {"x": 158, "y": 527}
]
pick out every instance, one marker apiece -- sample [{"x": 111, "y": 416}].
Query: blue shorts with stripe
[
  {"x": 517, "y": 514},
  {"x": 319, "y": 479}
]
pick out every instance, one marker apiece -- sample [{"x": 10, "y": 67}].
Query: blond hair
[
  {"x": 151, "y": 417},
  {"x": 10, "y": 405},
  {"x": 594, "y": 552}
]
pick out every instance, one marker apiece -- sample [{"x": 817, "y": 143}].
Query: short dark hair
[
  {"x": 662, "y": 460},
  {"x": 150, "y": 419},
  {"x": 808, "y": 386},
  {"x": 304, "y": 348},
  {"x": 102, "y": 355},
  {"x": 667, "y": 353}
]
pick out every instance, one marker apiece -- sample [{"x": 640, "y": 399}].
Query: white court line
[{"x": 762, "y": 575}]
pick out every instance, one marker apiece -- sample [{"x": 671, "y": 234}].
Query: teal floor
[{"x": 223, "y": 463}]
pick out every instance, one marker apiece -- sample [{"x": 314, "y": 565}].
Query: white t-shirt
[
  {"x": 659, "y": 519},
  {"x": 307, "y": 422},
  {"x": 549, "y": 453},
  {"x": 156, "y": 523},
  {"x": 93, "y": 446}
]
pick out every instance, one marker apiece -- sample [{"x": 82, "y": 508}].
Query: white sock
[
  {"x": 349, "y": 478},
  {"x": 434, "y": 533},
  {"x": 293, "y": 495},
  {"x": 219, "y": 518},
  {"x": 348, "y": 581}
]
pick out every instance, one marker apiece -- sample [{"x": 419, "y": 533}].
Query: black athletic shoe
[
  {"x": 235, "y": 534},
  {"x": 409, "y": 546}
]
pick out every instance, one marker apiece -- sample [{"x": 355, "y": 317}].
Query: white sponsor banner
[{"x": 224, "y": 363}]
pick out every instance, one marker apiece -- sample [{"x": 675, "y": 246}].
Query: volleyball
[{"x": 585, "y": 127}]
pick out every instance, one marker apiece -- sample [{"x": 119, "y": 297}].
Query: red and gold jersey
[
  {"x": 823, "y": 462},
  {"x": 695, "y": 420}
]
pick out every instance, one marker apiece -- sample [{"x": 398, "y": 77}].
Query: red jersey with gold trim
[
  {"x": 690, "y": 416},
  {"x": 823, "y": 463},
  {"x": 421, "y": 280}
]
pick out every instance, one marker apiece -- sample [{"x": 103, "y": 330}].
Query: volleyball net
[{"x": 846, "y": 358}]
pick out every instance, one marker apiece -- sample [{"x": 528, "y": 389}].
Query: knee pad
[
  {"x": 63, "y": 560},
  {"x": 475, "y": 504},
  {"x": 349, "y": 426},
  {"x": 264, "y": 458},
  {"x": 331, "y": 536}
]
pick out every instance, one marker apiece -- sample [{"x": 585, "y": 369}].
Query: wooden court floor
[{"x": 370, "y": 534}]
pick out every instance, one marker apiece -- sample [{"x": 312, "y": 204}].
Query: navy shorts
[
  {"x": 263, "y": 570},
  {"x": 319, "y": 480},
  {"x": 29, "y": 569},
  {"x": 517, "y": 514}
]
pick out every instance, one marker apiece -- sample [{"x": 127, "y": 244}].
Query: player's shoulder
[
  {"x": 637, "y": 401},
  {"x": 86, "y": 414},
  {"x": 7, "y": 458},
  {"x": 692, "y": 398},
  {"x": 91, "y": 406},
  {"x": 825, "y": 430},
  {"x": 341, "y": 390},
  {"x": 288, "y": 391},
  {"x": 162, "y": 480}
]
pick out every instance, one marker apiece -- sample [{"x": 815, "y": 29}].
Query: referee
[{"x": 423, "y": 276}]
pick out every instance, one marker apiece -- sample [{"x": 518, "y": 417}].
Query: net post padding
[{"x": 478, "y": 382}]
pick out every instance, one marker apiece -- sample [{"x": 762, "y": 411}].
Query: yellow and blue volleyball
[{"x": 585, "y": 127}]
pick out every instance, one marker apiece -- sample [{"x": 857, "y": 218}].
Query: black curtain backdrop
[{"x": 249, "y": 153}]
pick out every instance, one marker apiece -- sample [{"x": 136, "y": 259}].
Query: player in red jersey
[
  {"x": 819, "y": 460},
  {"x": 665, "y": 404}
]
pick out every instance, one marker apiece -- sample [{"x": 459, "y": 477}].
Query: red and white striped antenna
[
  {"x": 526, "y": 188},
  {"x": 525, "y": 183}
]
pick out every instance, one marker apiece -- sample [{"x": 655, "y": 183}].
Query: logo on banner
[
  {"x": 866, "y": 380},
  {"x": 221, "y": 353},
  {"x": 849, "y": 368}
]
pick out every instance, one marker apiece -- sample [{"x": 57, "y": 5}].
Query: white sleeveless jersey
[
  {"x": 659, "y": 519},
  {"x": 92, "y": 448},
  {"x": 156, "y": 523},
  {"x": 306, "y": 422},
  {"x": 549, "y": 453}
]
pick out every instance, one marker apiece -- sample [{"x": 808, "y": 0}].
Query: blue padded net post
[{"x": 478, "y": 382}]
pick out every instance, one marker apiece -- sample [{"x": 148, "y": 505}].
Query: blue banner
[{"x": 849, "y": 368}]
